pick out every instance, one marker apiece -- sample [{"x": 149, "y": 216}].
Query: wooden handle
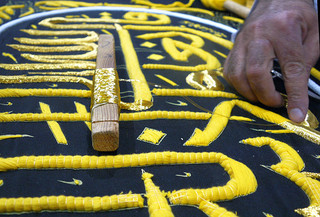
[
  {"x": 105, "y": 116},
  {"x": 236, "y": 8}
]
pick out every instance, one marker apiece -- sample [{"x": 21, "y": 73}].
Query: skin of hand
[{"x": 282, "y": 29}]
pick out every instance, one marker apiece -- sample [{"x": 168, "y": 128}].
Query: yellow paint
[
  {"x": 315, "y": 73},
  {"x": 81, "y": 109},
  {"x": 267, "y": 215},
  {"x": 1, "y": 182},
  {"x": 73, "y": 73},
  {"x": 242, "y": 182},
  {"x": 149, "y": 115},
  {"x": 70, "y": 203},
  {"x": 166, "y": 80},
  {"x": 174, "y": 4},
  {"x": 85, "y": 16},
  {"x": 278, "y": 131},
  {"x": 29, "y": 12},
  {"x": 290, "y": 166},
  {"x": 211, "y": 37},
  {"x": 10, "y": 56},
  {"x": 130, "y": 17},
  {"x": 152, "y": 136},
  {"x": 148, "y": 44},
  {"x": 221, "y": 116},
  {"x": 15, "y": 92},
  {"x": 234, "y": 19},
  {"x": 169, "y": 45},
  {"x": 157, "y": 203},
  {"x": 106, "y": 31},
  {"x": 74, "y": 182},
  {"x": 214, "y": 210},
  {"x": 142, "y": 93},
  {"x": 20, "y": 79},
  {"x": 220, "y": 54},
  {"x": 191, "y": 92},
  {"x": 54, "y": 126},
  {"x": 3, "y": 137},
  {"x": 179, "y": 103},
  {"x": 205, "y": 80},
  {"x": 34, "y": 26},
  {"x": 155, "y": 57},
  {"x": 240, "y": 118}
]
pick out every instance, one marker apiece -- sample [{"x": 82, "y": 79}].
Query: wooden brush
[{"x": 105, "y": 98}]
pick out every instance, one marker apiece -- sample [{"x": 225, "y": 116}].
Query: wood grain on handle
[
  {"x": 105, "y": 116},
  {"x": 236, "y": 8}
]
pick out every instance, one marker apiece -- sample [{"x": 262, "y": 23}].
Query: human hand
[{"x": 282, "y": 29}]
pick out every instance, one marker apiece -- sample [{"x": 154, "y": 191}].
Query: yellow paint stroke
[
  {"x": 315, "y": 73},
  {"x": 221, "y": 116},
  {"x": 191, "y": 92},
  {"x": 179, "y": 103},
  {"x": 185, "y": 175},
  {"x": 74, "y": 73},
  {"x": 214, "y": 210},
  {"x": 234, "y": 19},
  {"x": 46, "y": 49},
  {"x": 91, "y": 36},
  {"x": 157, "y": 203},
  {"x": 7, "y": 104},
  {"x": 81, "y": 109},
  {"x": 4, "y": 137},
  {"x": 211, "y": 62},
  {"x": 290, "y": 166},
  {"x": 137, "y": 116},
  {"x": 106, "y": 31},
  {"x": 1, "y": 182},
  {"x": 267, "y": 214},
  {"x": 7, "y": 10},
  {"x": 58, "y": 66},
  {"x": 29, "y": 12},
  {"x": 10, "y": 56},
  {"x": 74, "y": 182},
  {"x": 174, "y": 4},
  {"x": 130, "y": 17},
  {"x": 311, "y": 211},
  {"x": 54, "y": 126},
  {"x": 172, "y": 47},
  {"x": 166, "y": 80},
  {"x": 20, "y": 79},
  {"x": 85, "y": 16},
  {"x": 203, "y": 28},
  {"x": 242, "y": 182},
  {"x": 151, "y": 136},
  {"x": 148, "y": 44},
  {"x": 169, "y": 44},
  {"x": 15, "y": 92},
  {"x": 155, "y": 57},
  {"x": 211, "y": 37},
  {"x": 142, "y": 93},
  {"x": 240, "y": 118},
  {"x": 205, "y": 80},
  {"x": 70, "y": 203},
  {"x": 220, "y": 54}
]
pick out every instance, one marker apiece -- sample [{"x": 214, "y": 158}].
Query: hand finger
[
  {"x": 234, "y": 73},
  {"x": 289, "y": 51},
  {"x": 259, "y": 63}
]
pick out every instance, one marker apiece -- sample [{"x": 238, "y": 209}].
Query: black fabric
[{"x": 275, "y": 195}]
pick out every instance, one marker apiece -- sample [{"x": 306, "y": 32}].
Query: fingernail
[{"x": 296, "y": 115}]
